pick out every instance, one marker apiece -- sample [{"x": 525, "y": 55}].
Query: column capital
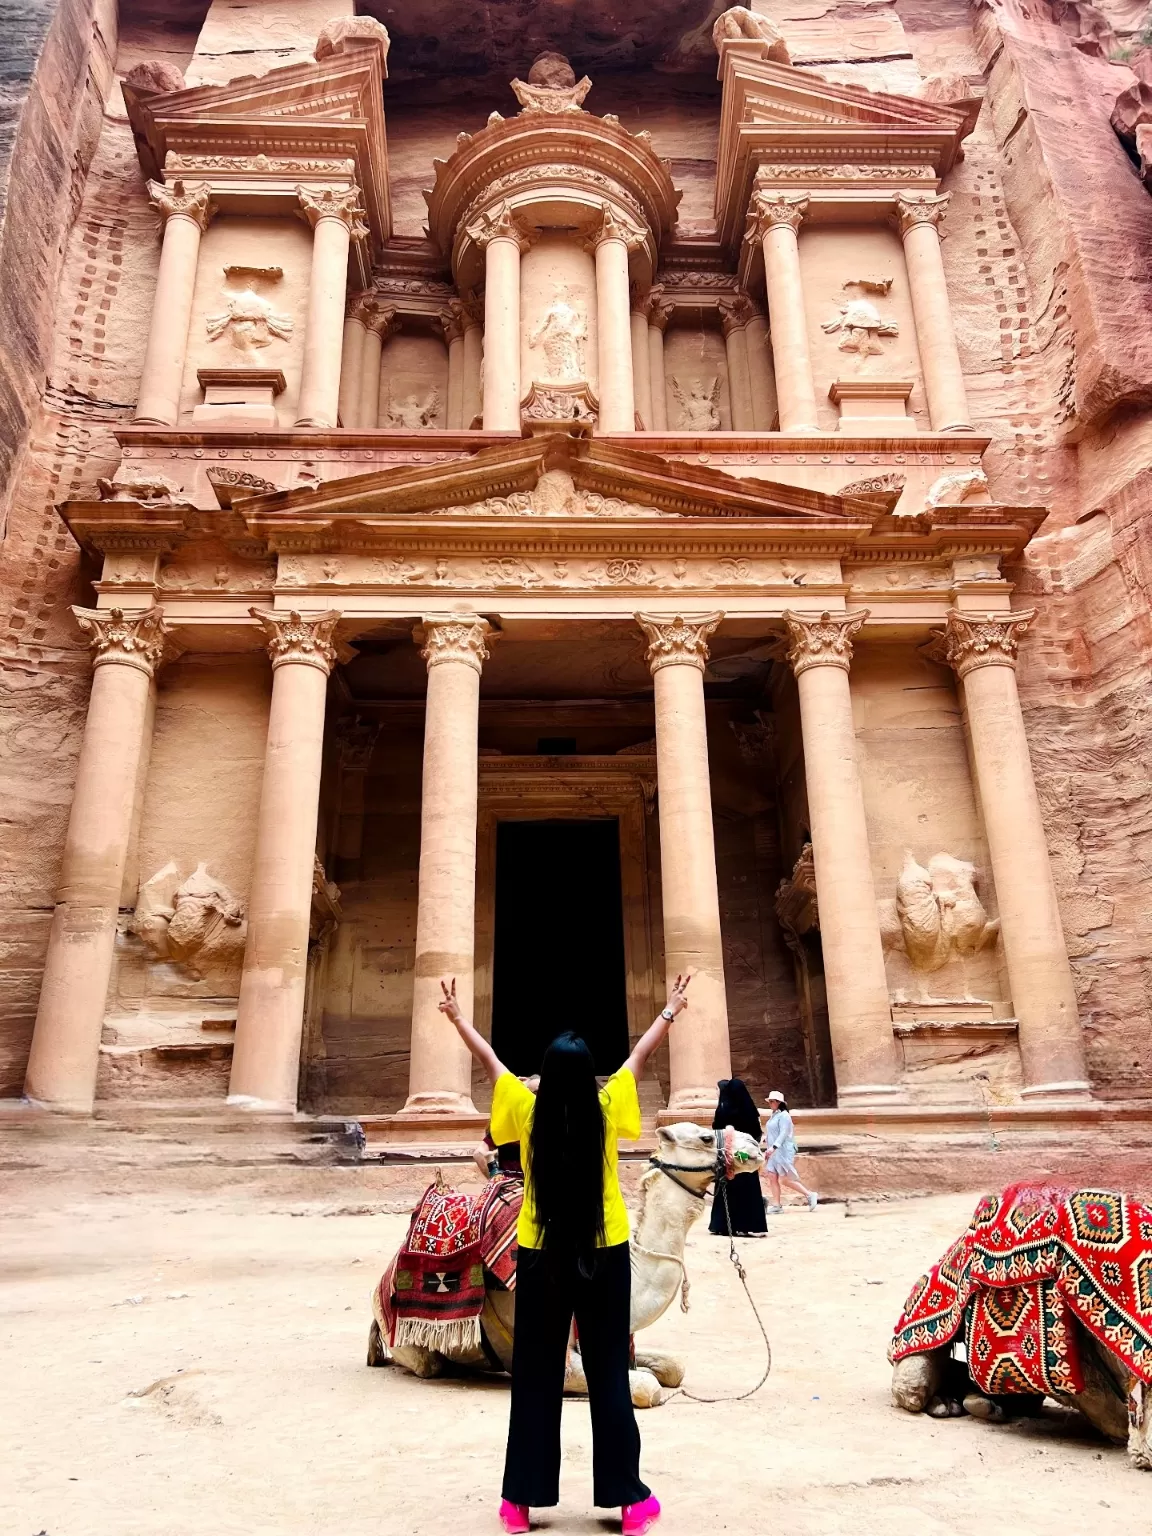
[
  {"x": 453, "y": 637},
  {"x": 660, "y": 309},
  {"x": 134, "y": 639},
  {"x": 916, "y": 208},
  {"x": 775, "y": 210},
  {"x": 472, "y": 314},
  {"x": 641, "y": 299},
  {"x": 735, "y": 313},
  {"x": 183, "y": 200},
  {"x": 498, "y": 223},
  {"x": 303, "y": 638},
  {"x": 678, "y": 641},
  {"x": 822, "y": 642},
  {"x": 613, "y": 225},
  {"x": 355, "y": 740},
  {"x": 992, "y": 641},
  {"x": 452, "y": 319},
  {"x": 339, "y": 203}
]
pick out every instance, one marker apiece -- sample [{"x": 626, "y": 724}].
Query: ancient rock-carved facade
[{"x": 623, "y": 484}]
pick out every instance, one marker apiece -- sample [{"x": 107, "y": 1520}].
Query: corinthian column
[
  {"x": 502, "y": 241},
  {"x": 336, "y": 219},
  {"x": 65, "y": 1051},
  {"x": 472, "y": 405},
  {"x": 613, "y": 240},
  {"x": 760, "y": 373},
  {"x": 775, "y": 220},
  {"x": 380, "y": 321},
  {"x": 859, "y": 1014},
  {"x": 351, "y": 362},
  {"x": 734, "y": 316},
  {"x": 698, "y": 1047},
  {"x": 186, "y": 211},
  {"x": 983, "y": 654},
  {"x": 440, "y": 1069},
  {"x": 270, "y": 1018},
  {"x": 641, "y": 373},
  {"x": 452, "y": 319},
  {"x": 658, "y": 317},
  {"x": 919, "y": 216}
]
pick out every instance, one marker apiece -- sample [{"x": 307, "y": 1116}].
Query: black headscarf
[{"x": 736, "y": 1108}]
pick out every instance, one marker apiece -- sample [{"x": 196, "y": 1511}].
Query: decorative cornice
[
  {"x": 295, "y": 637},
  {"x": 775, "y": 210},
  {"x": 916, "y": 208},
  {"x": 498, "y": 223},
  {"x": 615, "y": 226},
  {"x": 679, "y": 641},
  {"x": 453, "y": 637},
  {"x": 993, "y": 641},
  {"x": 341, "y": 203},
  {"x": 183, "y": 200},
  {"x": 822, "y": 642},
  {"x": 133, "y": 639}
]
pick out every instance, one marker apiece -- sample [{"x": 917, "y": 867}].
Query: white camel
[{"x": 671, "y": 1201}]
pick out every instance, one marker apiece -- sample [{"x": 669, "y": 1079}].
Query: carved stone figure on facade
[
  {"x": 551, "y": 86},
  {"x": 199, "y": 923},
  {"x": 561, "y": 335},
  {"x": 699, "y": 403},
  {"x": 859, "y": 322},
  {"x": 952, "y": 489},
  {"x": 936, "y": 915},
  {"x": 132, "y": 484},
  {"x": 739, "y": 24},
  {"x": 250, "y": 320},
  {"x": 413, "y": 412}
]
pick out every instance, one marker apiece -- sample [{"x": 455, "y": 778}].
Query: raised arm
[
  {"x": 472, "y": 1038},
  {"x": 659, "y": 1027}
]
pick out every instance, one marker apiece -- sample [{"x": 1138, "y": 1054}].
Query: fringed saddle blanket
[
  {"x": 432, "y": 1294},
  {"x": 1031, "y": 1260}
]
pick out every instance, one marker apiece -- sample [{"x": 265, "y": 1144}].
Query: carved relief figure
[
  {"x": 200, "y": 924},
  {"x": 950, "y": 490},
  {"x": 561, "y": 336},
  {"x": 699, "y": 404},
  {"x": 859, "y": 322},
  {"x": 937, "y": 915},
  {"x": 412, "y": 412},
  {"x": 248, "y": 317},
  {"x": 551, "y": 86}
]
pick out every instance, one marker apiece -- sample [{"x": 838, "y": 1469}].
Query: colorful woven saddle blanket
[
  {"x": 432, "y": 1294},
  {"x": 1033, "y": 1260}
]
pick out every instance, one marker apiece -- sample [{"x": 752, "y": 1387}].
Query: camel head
[{"x": 691, "y": 1150}]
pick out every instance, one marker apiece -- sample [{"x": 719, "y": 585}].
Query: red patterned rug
[{"x": 1032, "y": 1259}]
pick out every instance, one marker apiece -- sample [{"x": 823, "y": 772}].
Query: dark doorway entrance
[{"x": 559, "y": 960}]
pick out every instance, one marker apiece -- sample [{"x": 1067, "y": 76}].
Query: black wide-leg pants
[{"x": 549, "y": 1293}]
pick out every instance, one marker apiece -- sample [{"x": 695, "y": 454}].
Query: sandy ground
[{"x": 196, "y": 1368}]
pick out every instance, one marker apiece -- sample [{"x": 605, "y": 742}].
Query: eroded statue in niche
[
  {"x": 249, "y": 319},
  {"x": 197, "y": 923},
  {"x": 936, "y": 915},
  {"x": 699, "y": 402},
  {"x": 859, "y": 322},
  {"x": 413, "y": 411},
  {"x": 561, "y": 336}
]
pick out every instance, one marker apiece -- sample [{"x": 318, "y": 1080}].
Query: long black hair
[{"x": 566, "y": 1150}]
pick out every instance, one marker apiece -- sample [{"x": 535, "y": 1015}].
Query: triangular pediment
[
  {"x": 549, "y": 478},
  {"x": 294, "y": 121},
  {"x": 768, "y": 92}
]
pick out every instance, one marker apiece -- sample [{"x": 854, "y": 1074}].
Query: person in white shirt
[{"x": 780, "y": 1145}]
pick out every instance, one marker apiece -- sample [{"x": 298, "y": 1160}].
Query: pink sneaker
[
  {"x": 638, "y": 1518},
  {"x": 514, "y": 1518}
]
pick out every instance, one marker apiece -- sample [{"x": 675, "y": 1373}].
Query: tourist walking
[
  {"x": 745, "y": 1204},
  {"x": 780, "y": 1145},
  {"x": 573, "y": 1262}
]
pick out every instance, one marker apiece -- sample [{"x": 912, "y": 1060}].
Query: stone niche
[
  {"x": 413, "y": 380},
  {"x": 171, "y": 1012},
  {"x": 860, "y": 323},
  {"x": 558, "y": 337},
  {"x": 249, "y": 308},
  {"x": 696, "y": 379}
]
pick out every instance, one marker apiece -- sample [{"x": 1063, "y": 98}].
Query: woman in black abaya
[{"x": 745, "y": 1202}]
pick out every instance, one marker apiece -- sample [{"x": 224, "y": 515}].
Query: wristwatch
[{"x": 666, "y": 1013}]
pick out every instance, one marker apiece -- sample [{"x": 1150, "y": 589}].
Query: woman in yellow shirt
[{"x": 573, "y": 1263}]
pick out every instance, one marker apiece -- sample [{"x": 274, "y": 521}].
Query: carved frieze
[
  {"x": 678, "y": 641},
  {"x": 187, "y": 577},
  {"x": 551, "y": 406},
  {"x": 134, "y": 638},
  {"x": 260, "y": 165},
  {"x": 799, "y": 171}
]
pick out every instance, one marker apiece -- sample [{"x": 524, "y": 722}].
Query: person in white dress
[{"x": 780, "y": 1144}]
